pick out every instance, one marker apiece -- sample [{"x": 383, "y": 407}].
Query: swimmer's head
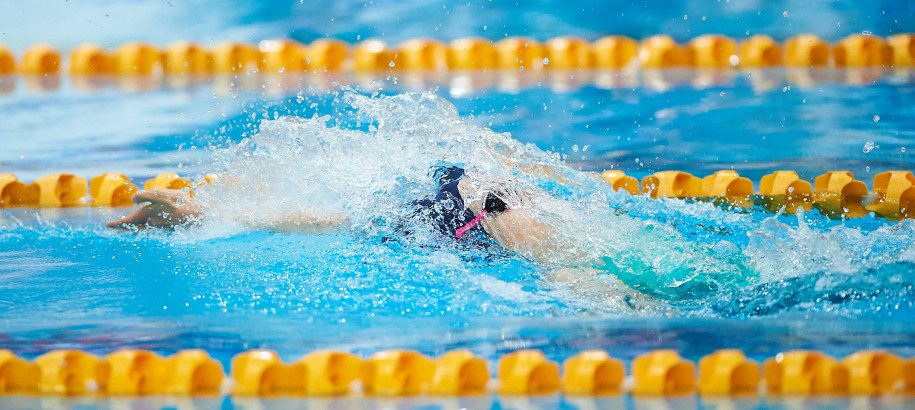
[
  {"x": 500, "y": 193},
  {"x": 493, "y": 204},
  {"x": 446, "y": 173},
  {"x": 493, "y": 194}
]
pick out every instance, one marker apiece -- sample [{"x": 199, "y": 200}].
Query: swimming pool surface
[
  {"x": 812, "y": 281},
  {"x": 706, "y": 277}
]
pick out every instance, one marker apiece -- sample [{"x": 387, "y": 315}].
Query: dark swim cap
[
  {"x": 446, "y": 174},
  {"x": 446, "y": 210}
]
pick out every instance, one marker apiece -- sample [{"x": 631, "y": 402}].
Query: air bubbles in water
[
  {"x": 785, "y": 14},
  {"x": 546, "y": 61},
  {"x": 876, "y": 118},
  {"x": 866, "y": 33},
  {"x": 869, "y": 146},
  {"x": 391, "y": 64}
]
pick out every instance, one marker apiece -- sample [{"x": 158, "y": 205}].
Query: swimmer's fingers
[
  {"x": 156, "y": 216},
  {"x": 138, "y": 218},
  {"x": 158, "y": 196},
  {"x": 165, "y": 208}
]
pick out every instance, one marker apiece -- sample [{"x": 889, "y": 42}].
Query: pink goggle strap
[{"x": 460, "y": 232}]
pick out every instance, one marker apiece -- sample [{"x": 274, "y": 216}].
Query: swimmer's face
[
  {"x": 465, "y": 188},
  {"x": 475, "y": 193}
]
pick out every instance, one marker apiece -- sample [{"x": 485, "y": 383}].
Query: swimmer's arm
[
  {"x": 519, "y": 231},
  {"x": 592, "y": 284},
  {"x": 302, "y": 222},
  {"x": 169, "y": 208}
]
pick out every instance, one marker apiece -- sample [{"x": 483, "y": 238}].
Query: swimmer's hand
[{"x": 165, "y": 208}]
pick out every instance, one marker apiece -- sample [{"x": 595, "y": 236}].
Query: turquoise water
[
  {"x": 706, "y": 277},
  {"x": 698, "y": 277}
]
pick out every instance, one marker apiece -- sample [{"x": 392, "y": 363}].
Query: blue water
[
  {"x": 70, "y": 282},
  {"x": 713, "y": 278}
]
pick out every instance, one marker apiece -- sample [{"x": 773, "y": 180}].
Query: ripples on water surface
[
  {"x": 708, "y": 278},
  {"x": 779, "y": 281}
]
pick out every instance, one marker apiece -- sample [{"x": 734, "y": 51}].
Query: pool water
[
  {"x": 706, "y": 277},
  {"x": 695, "y": 276}
]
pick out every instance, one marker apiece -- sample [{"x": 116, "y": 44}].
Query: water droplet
[
  {"x": 703, "y": 18},
  {"x": 902, "y": 149},
  {"x": 575, "y": 148},
  {"x": 868, "y": 146},
  {"x": 391, "y": 64},
  {"x": 785, "y": 14},
  {"x": 358, "y": 37},
  {"x": 484, "y": 28},
  {"x": 876, "y": 118},
  {"x": 721, "y": 94},
  {"x": 866, "y": 33},
  {"x": 546, "y": 61},
  {"x": 685, "y": 17}
]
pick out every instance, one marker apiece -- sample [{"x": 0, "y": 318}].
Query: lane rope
[
  {"x": 400, "y": 373},
  {"x": 424, "y": 54},
  {"x": 837, "y": 194}
]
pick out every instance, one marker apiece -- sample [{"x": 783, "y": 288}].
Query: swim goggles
[{"x": 492, "y": 204}]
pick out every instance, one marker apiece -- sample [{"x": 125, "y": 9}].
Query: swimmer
[
  {"x": 463, "y": 206},
  {"x": 494, "y": 205}
]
